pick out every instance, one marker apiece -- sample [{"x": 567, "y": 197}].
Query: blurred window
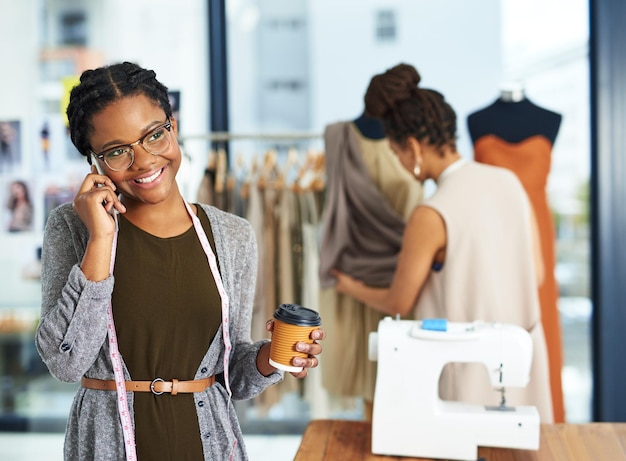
[
  {"x": 73, "y": 28},
  {"x": 386, "y": 26}
]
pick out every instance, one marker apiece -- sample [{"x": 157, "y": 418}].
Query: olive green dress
[{"x": 167, "y": 310}]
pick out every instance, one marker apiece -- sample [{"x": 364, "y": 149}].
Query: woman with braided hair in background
[
  {"x": 180, "y": 290},
  {"x": 470, "y": 252}
]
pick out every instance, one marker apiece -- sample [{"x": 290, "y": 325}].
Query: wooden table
[{"x": 341, "y": 440}]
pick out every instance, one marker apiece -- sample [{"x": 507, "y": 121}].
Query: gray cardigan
[{"x": 72, "y": 339}]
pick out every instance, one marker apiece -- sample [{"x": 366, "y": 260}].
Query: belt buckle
[{"x": 156, "y": 380}]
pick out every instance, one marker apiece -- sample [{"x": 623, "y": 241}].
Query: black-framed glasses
[{"x": 156, "y": 142}]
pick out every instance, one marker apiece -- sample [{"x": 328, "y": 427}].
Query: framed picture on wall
[
  {"x": 18, "y": 204},
  {"x": 10, "y": 146}
]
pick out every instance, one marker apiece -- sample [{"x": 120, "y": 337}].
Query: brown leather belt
[{"x": 156, "y": 386}]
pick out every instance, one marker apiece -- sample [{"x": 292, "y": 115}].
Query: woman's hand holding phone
[{"x": 96, "y": 203}]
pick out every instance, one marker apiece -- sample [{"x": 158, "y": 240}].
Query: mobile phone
[{"x": 94, "y": 161}]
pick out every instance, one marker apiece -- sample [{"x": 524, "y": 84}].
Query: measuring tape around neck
[
  {"x": 204, "y": 241},
  {"x": 116, "y": 360},
  {"x": 120, "y": 384}
]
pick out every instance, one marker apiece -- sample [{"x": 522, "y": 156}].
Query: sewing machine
[{"x": 410, "y": 419}]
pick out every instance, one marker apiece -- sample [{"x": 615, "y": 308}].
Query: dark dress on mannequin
[{"x": 519, "y": 135}]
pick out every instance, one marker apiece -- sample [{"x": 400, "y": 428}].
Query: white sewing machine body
[{"x": 410, "y": 419}]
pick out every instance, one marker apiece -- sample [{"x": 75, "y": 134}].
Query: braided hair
[
  {"x": 100, "y": 87},
  {"x": 407, "y": 110}
]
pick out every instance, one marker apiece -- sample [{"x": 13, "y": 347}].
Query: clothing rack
[
  {"x": 283, "y": 141},
  {"x": 277, "y": 164},
  {"x": 223, "y": 136}
]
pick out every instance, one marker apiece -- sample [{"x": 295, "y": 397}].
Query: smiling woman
[{"x": 181, "y": 325}]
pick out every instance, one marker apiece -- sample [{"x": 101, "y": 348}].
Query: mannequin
[
  {"x": 369, "y": 195},
  {"x": 515, "y": 133},
  {"x": 370, "y": 127},
  {"x": 514, "y": 118}
]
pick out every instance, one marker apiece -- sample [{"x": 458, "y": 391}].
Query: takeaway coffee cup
[{"x": 292, "y": 323}]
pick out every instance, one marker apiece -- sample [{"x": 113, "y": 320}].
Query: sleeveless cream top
[{"x": 488, "y": 275}]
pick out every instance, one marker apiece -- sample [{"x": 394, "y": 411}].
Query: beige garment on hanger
[{"x": 346, "y": 368}]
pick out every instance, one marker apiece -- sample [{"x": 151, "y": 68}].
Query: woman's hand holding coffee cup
[{"x": 295, "y": 332}]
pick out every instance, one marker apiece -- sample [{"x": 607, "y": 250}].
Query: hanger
[
  {"x": 319, "y": 168},
  {"x": 250, "y": 177},
  {"x": 269, "y": 171},
  {"x": 311, "y": 175},
  {"x": 291, "y": 161}
]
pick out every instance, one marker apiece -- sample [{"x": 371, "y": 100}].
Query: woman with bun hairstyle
[{"x": 470, "y": 252}]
